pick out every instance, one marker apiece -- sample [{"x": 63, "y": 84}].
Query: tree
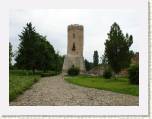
[
  {"x": 95, "y": 58},
  {"x": 10, "y": 54},
  {"x": 26, "y": 51},
  {"x": 34, "y": 51},
  {"x": 104, "y": 60},
  {"x": 117, "y": 48},
  {"x": 45, "y": 54},
  {"x": 59, "y": 62}
]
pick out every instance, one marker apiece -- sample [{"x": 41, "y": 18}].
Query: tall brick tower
[{"x": 75, "y": 49}]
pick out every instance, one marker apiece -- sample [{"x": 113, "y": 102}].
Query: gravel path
[{"x": 54, "y": 91}]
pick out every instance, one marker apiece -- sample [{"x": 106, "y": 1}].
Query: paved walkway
[{"x": 54, "y": 91}]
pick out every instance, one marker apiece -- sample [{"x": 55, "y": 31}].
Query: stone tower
[{"x": 74, "y": 49}]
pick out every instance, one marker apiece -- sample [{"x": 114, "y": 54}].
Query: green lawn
[
  {"x": 19, "y": 81},
  {"x": 120, "y": 85}
]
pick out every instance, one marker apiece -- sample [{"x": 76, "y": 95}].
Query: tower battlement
[{"x": 75, "y": 26}]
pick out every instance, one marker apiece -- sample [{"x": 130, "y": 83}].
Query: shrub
[
  {"x": 133, "y": 72},
  {"x": 107, "y": 74},
  {"x": 73, "y": 71}
]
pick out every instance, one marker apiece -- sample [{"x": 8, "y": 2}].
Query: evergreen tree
[
  {"x": 34, "y": 51},
  {"x": 26, "y": 51},
  {"x": 117, "y": 48},
  {"x": 95, "y": 58}
]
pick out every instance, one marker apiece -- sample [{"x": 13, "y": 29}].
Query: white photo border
[{"x": 141, "y": 110}]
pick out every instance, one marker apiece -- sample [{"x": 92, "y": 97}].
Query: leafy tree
[
  {"x": 95, "y": 58},
  {"x": 10, "y": 54},
  {"x": 45, "y": 56},
  {"x": 117, "y": 48},
  {"x": 58, "y": 62}
]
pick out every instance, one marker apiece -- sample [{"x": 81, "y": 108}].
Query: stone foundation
[{"x": 73, "y": 60}]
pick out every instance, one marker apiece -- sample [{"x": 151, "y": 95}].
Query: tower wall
[{"x": 74, "y": 48}]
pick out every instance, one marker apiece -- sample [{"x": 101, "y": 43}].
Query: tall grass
[{"x": 19, "y": 81}]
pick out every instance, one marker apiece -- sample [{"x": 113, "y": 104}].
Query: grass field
[
  {"x": 19, "y": 81},
  {"x": 120, "y": 85}
]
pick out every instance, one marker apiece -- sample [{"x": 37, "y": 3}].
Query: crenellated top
[{"x": 75, "y": 26}]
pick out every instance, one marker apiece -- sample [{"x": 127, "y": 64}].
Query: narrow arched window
[{"x": 73, "y": 47}]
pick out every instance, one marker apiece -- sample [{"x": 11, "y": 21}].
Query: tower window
[
  {"x": 73, "y": 35},
  {"x": 73, "y": 48}
]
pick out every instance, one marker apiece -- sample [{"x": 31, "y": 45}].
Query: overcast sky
[{"x": 53, "y": 24}]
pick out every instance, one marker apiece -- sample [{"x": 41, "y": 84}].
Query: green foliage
[
  {"x": 104, "y": 60},
  {"x": 88, "y": 65},
  {"x": 36, "y": 53},
  {"x": 117, "y": 48},
  {"x": 73, "y": 71},
  {"x": 95, "y": 58},
  {"x": 10, "y": 55},
  {"x": 120, "y": 85},
  {"x": 107, "y": 74},
  {"x": 58, "y": 62},
  {"x": 133, "y": 72},
  {"x": 45, "y": 56},
  {"x": 19, "y": 81},
  {"x": 26, "y": 51}
]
